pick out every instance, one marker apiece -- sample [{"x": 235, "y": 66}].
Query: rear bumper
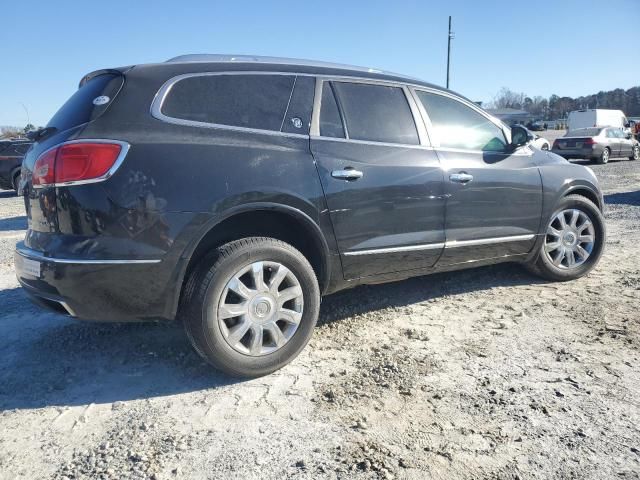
[
  {"x": 101, "y": 290},
  {"x": 577, "y": 152}
]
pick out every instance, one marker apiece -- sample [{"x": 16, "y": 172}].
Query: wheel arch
[
  {"x": 587, "y": 192},
  {"x": 279, "y": 221}
]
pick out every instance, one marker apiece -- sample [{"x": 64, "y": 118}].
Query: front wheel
[
  {"x": 574, "y": 240},
  {"x": 636, "y": 153},
  {"x": 252, "y": 306}
]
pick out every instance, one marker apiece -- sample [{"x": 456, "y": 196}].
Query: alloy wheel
[
  {"x": 636, "y": 153},
  {"x": 570, "y": 239},
  {"x": 260, "y": 308}
]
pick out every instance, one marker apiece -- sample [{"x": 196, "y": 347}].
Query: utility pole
[{"x": 450, "y": 37}]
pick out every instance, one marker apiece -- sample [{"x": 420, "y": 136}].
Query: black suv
[
  {"x": 12, "y": 152},
  {"x": 233, "y": 192}
]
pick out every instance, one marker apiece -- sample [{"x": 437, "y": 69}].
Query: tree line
[{"x": 556, "y": 107}]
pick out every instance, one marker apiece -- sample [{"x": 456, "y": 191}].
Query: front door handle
[
  {"x": 347, "y": 174},
  {"x": 460, "y": 177}
]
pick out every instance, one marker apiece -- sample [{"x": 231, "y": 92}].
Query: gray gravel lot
[{"x": 486, "y": 373}]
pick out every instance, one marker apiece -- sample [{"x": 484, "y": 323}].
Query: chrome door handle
[
  {"x": 460, "y": 177},
  {"x": 347, "y": 174}
]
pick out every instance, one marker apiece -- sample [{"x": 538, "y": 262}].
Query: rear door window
[
  {"x": 80, "y": 108},
  {"x": 376, "y": 113},
  {"x": 248, "y": 101},
  {"x": 330, "y": 119}
]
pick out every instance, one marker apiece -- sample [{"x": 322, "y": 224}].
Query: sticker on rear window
[{"x": 101, "y": 100}]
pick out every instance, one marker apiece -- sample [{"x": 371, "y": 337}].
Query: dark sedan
[
  {"x": 597, "y": 144},
  {"x": 11, "y": 154}
]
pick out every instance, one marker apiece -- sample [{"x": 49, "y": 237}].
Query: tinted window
[
  {"x": 458, "y": 126},
  {"x": 330, "y": 121},
  {"x": 250, "y": 101},
  {"x": 80, "y": 109},
  {"x": 298, "y": 117},
  {"x": 376, "y": 113}
]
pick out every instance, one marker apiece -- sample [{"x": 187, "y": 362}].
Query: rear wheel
[
  {"x": 545, "y": 146},
  {"x": 636, "y": 153},
  {"x": 574, "y": 240},
  {"x": 604, "y": 157},
  {"x": 252, "y": 306}
]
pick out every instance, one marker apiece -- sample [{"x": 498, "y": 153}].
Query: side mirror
[{"x": 519, "y": 137}]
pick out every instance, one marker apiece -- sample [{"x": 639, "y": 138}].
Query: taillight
[
  {"x": 44, "y": 169},
  {"x": 76, "y": 162},
  {"x": 589, "y": 141},
  {"x": 555, "y": 144}
]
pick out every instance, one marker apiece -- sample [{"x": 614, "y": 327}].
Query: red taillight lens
[
  {"x": 589, "y": 141},
  {"x": 555, "y": 144},
  {"x": 44, "y": 168},
  {"x": 75, "y": 162}
]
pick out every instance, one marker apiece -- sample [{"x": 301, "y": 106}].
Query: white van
[{"x": 596, "y": 118}]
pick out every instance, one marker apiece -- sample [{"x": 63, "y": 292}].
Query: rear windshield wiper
[{"x": 41, "y": 133}]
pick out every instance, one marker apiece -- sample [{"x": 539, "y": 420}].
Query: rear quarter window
[
  {"x": 80, "y": 108},
  {"x": 248, "y": 101}
]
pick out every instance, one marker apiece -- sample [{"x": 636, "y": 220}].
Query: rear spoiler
[{"x": 114, "y": 71}]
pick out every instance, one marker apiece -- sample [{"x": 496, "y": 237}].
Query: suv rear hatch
[{"x": 96, "y": 93}]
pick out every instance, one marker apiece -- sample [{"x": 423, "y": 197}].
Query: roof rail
[{"x": 222, "y": 58}]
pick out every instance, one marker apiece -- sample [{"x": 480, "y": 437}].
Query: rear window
[
  {"x": 584, "y": 132},
  {"x": 80, "y": 108},
  {"x": 249, "y": 101}
]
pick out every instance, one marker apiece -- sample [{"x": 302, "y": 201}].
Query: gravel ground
[{"x": 486, "y": 373}]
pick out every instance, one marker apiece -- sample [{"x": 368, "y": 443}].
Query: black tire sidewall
[
  {"x": 595, "y": 216},
  {"x": 211, "y": 342}
]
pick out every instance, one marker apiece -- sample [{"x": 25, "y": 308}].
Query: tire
[
  {"x": 545, "y": 147},
  {"x": 211, "y": 287},
  {"x": 543, "y": 265},
  {"x": 15, "y": 181},
  {"x": 636, "y": 153},
  {"x": 604, "y": 158}
]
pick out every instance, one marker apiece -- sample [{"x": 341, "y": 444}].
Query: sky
[{"x": 568, "y": 47}]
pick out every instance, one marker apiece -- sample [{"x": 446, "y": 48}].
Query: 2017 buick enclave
[{"x": 233, "y": 192}]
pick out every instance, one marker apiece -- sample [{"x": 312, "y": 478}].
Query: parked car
[
  {"x": 232, "y": 193},
  {"x": 596, "y": 117},
  {"x": 597, "y": 144},
  {"x": 537, "y": 141},
  {"x": 12, "y": 152},
  {"x": 536, "y": 126}
]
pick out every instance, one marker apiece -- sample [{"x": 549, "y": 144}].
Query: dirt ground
[{"x": 484, "y": 374}]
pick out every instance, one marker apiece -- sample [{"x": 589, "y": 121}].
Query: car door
[
  {"x": 613, "y": 142},
  {"x": 494, "y": 195},
  {"x": 626, "y": 144},
  {"x": 383, "y": 184}
]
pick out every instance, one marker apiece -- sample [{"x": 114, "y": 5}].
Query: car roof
[{"x": 304, "y": 66}]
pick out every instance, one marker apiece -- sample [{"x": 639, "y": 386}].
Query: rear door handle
[
  {"x": 347, "y": 174},
  {"x": 460, "y": 177}
]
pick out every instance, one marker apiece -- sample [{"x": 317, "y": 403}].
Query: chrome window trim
[
  {"x": 445, "y": 245},
  {"x": 371, "y": 142},
  {"x": 33, "y": 255},
  {"x": 160, "y": 96},
  {"x": 124, "y": 149}
]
